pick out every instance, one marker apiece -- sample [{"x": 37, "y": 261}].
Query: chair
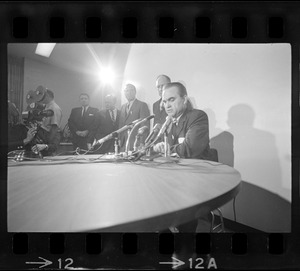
[{"x": 216, "y": 227}]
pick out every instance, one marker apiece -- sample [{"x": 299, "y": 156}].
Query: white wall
[{"x": 246, "y": 92}]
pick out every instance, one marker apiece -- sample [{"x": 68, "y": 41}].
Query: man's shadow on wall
[
  {"x": 220, "y": 140},
  {"x": 253, "y": 152}
]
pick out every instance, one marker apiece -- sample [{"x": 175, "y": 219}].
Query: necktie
[
  {"x": 112, "y": 115},
  {"x": 83, "y": 111},
  {"x": 161, "y": 106},
  {"x": 174, "y": 130},
  {"x": 175, "y": 121},
  {"x": 127, "y": 108}
]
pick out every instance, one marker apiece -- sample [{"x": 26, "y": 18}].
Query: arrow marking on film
[
  {"x": 44, "y": 263},
  {"x": 176, "y": 262}
]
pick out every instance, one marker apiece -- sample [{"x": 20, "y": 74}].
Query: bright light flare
[{"x": 107, "y": 76}]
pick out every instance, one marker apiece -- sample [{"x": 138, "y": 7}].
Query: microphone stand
[
  {"x": 167, "y": 157},
  {"x": 167, "y": 150},
  {"x": 135, "y": 127},
  {"x": 127, "y": 141},
  {"x": 116, "y": 145}
]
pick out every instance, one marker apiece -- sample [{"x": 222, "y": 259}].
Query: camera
[{"x": 35, "y": 113}]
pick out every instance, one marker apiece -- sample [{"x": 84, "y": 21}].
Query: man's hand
[
  {"x": 160, "y": 147},
  {"x": 85, "y": 133},
  {"x": 82, "y": 133},
  {"x": 79, "y": 133},
  {"x": 89, "y": 146},
  {"x": 39, "y": 147},
  {"x": 30, "y": 135}
]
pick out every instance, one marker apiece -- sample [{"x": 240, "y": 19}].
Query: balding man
[
  {"x": 158, "y": 108},
  {"x": 132, "y": 110}
]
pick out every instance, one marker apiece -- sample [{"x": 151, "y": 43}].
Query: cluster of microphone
[{"x": 140, "y": 147}]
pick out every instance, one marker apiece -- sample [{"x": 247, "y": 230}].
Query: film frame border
[{"x": 166, "y": 22}]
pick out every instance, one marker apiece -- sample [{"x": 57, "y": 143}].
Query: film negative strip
[{"x": 212, "y": 184}]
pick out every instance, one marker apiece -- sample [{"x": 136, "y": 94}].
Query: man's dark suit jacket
[
  {"x": 138, "y": 110},
  {"x": 190, "y": 138},
  {"x": 160, "y": 116},
  {"x": 105, "y": 126},
  {"x": 77, "y": 122}
]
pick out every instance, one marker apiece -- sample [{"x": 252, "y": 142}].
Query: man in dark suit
[
  {"x": 158, "y": 107},
  {"x": 188, "y": 137},
  {"x": 131, "y": 111},
  {"x": 189, "y": 134},
  {"x": 107, "y": 122},
  {"x": 82, "y": 123}
]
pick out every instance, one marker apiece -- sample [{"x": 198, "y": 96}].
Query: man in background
[
  {"x": 107, "y": 122},
  {"x": 133, "y": 110},
  {"x": 13, "y": 114},
  {"x": 158, "y": 107},
  {"x": 82, "y": 123},
  {"x": 19, "y": 136},
  {"x": 50, "y": 132}
]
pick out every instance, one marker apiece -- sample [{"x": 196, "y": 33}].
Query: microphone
[
  {"x": 164, "y": 127},
  {"x": 138, "y": 123},
  {"x": 158, "y": 130},
  {"x": 153, "y": 134},
  {"x": 115, "y": 133},
  {"x": 143, "y": 120},
  {"x": 143, "y": 130}
]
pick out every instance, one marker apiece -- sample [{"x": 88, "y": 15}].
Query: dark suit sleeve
[
  {"x": 156, "y": 116},
  {"x": 98, "y": 126},
  {"x": 54, "y": 139},
  {"x": 71, "y": 121},
  {"x": 16, "y": 135},
  {"x": 144, "y": 113},
  {"x": 196, "y": 138},
  {"x": 93, "y": 126},
  {"x": 122, "y": 117}
]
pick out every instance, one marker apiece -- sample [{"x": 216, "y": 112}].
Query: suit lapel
[
  {"x": 125, "y": 114},
  {"x": 130, "y": 109},
  {"x": 180, "y": 125},
  {"x": 176, "y": 130}
]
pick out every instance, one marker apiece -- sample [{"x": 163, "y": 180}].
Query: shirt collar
[
  {"x": 176, "y": 120},
  {"x": 131, "y": 102}
]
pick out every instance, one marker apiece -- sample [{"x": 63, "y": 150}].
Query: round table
[{"x": 103, "y": 194}]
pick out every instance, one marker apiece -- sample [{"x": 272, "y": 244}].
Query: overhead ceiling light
[
  {"x": 107, "y": 75},
  {"x": 44, "y": 49}
]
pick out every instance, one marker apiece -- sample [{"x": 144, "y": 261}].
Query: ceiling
[{"x": 78, "y": 57}]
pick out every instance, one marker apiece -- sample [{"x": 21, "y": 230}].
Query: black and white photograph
[{"x": 149, "y": 137}]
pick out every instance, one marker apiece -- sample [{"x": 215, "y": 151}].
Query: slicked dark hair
[
  {"x": 181, "y": 88},
  {"x": 84, "y": 94}
]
